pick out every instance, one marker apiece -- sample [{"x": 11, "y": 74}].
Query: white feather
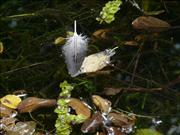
[{"x": 74, "y": 51}]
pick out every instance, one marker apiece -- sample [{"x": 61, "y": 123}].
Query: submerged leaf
[
  {"x": 32, "y": 103},
  {"x": 11, "y": 101},
  {"x": 151, "y": 24},
  {"x": 79, "y": 107}
]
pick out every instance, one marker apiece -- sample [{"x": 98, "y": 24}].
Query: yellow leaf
[
  {"x": 60, "y": 41},
  {"x": 11, "y": 101}
]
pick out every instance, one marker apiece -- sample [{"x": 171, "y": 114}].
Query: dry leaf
[
  {"x": 103, "y": 104},
  {"x": 151, "y": 24},
  {"x": 79, "y": 107},
  {"x": 11, "y": 101},
  {"x": 32, "y": 103},
  {"x": 7, "y": 122}
]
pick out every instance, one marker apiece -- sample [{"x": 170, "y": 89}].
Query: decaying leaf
[
  {"x": 79, "y": 107},
  {"x": 97, "y": 61},
  {"x": 32, "y": 103},
  {"x": 11, "y": 101},
  {"x": 103, "y": 104},
  {"x": 6, "y": 111},
  {"x": 22, "y": 128},
  {"x": 92, "y": 124},
  {"x": 7, "y": 122},
  {"x": 150, "y": 24},
  {"x": 1, "y": 47},
  {"x": 120, "y": 119},
  {"x": 100, "y": 34}
]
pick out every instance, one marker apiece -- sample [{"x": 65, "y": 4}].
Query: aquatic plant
[
  {"x": 64, "y": 119},
  {"x": 108, "y": 11}
]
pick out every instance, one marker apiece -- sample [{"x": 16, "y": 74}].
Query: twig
[
  {"x": 114, "y": 91},
  {"x": 22, "y": 68}
]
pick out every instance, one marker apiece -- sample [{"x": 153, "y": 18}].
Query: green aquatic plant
[
  {"x": 64, "y": 119},
  {"x": 108, "y": 11},
  {"x": 147, "y": 132}
]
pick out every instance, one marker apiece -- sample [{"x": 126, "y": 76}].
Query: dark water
[{"x": 32, "y": 62}]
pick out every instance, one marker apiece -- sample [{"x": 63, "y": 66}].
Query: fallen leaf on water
[
  {"x": 6, "y": 111},
  {"x": 113, "y": 131},
  {"x": 79, "y": 107},
  {"x": 103, "y": 104},
  {"x": 92, "y": 124},
  {"x": 11, "y": 101},
  {"x": 150, "y": 24},
  {"x": 32, "y": 103},
  {"x": 1, "y": 47},
  {"x": 7, "y": 122},
  {"x": 101, "y": 34},
  {"x": 97, "y": 61},
  {"x": 60, "y": 41},
  {"x": 120, "y": 119},
  {"x": 22, "y": 128}
]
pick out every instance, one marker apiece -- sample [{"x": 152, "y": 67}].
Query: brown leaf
[
  {"x": 150, "y": 24},
  {"x": 119, "y": 119},
  {"x": 101, "y": 34},
  {"x": 103, "y": 104},
  {"x": 79, "y": 107},
  {"x": 32, "y": 103},
  {"x": 6, "y": 111},
  {"x": 131, "y": 43},
  {"x": 92, "y": 124}
]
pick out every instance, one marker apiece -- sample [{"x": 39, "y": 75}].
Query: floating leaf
[
  {"x": 103, "y": 104},
  {"x": 79, "y": 107},
  {"x": 32, "y": 103},
  {"x": 120, "y": 119},
  {"x": 1, "y": 47},
  {"x": 6, "y": 111},
  {"x": 11, "y": 101},
  {"x": 92, "y": 124},
  {"x": 147, "y": 132},
  {"x": 97, "y": 61},
  {"x": 60, "y": 41},
  {"x": 101, "y": 34},
  {"x": 151, "y": 24},
  {"x": 22, "y": 128}
]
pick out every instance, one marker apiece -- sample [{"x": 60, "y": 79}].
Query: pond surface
[{"x": 146, "y": 65}]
